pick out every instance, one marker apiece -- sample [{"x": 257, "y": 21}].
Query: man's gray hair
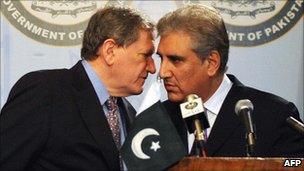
[
  {"x": 119, "y": 23},
  {"x": 204, "y": 25}
]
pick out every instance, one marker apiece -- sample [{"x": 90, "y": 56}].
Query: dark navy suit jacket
[
  {"x": 53, "y": 120},
  {"x": 275, "y": 137}
]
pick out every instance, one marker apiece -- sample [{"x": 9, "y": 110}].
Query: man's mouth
[{"x": 169, "y": 86}]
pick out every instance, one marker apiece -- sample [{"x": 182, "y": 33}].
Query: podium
[{"x": 234, "y": 163}]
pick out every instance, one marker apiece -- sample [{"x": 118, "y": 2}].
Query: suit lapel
[
  {"x": 128, "y": 112},
  {"x": 176, "y": 117},
  {"x": 93, "y": 116},
  {"x": 226, "y": 121}
]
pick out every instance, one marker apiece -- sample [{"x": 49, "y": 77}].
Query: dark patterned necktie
[{"x": 112, "y": 118}]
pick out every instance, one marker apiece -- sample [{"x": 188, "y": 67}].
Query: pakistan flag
[{"x": 153, "y": 142}]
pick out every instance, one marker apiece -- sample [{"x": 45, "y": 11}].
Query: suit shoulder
[
  {"x": 265, "y": 96},
  {"x": 35, "y": 79},
  {"x": 270, "y": 103},
  {"x": 42, "y": 74}
]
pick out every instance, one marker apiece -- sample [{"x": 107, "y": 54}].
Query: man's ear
[
  {"x": 214, "y": 60},
  {"x": 108, "y": 51}
]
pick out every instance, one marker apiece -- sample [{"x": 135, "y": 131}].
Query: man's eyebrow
[
  {"x": 148, "y": 52},
  {"x": 176, "y": 57}
]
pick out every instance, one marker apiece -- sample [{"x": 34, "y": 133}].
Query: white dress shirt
[{"x": 213, "y": 106}]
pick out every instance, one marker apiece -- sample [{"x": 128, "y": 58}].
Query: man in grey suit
[
  {"x": 77, "y": 119},
  {"x": 194, "y": 50}
]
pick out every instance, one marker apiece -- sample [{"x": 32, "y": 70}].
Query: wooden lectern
[{"x": 233, "y": 163}]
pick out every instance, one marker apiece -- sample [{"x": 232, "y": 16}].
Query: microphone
[
  {"x": 296, "y": 124},
  {"x": 243, "y": 109},
  {"x": 193, "y": 113}
]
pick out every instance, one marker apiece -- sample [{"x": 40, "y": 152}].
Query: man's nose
[
  {"x": 164, "y": 71},
  {"x": 150, "y": 65}
]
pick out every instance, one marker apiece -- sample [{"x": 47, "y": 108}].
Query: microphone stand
[
  {"x": 199, "y": 140},
  {"x": 250, "y": 136},
  {"x": 193, "y": 111},
  {"x": 250, "y": 144},
  {"x": 243, "y": 109}
]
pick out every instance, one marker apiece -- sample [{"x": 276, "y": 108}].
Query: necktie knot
[{"x": 111, "y": 103}]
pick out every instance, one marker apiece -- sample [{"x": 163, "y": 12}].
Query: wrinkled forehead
[
  {"x": 145, "y": 41},
  {"x": 174, "y": 40}
]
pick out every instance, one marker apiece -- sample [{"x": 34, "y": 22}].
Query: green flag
[{"x": 153, "y": 142}]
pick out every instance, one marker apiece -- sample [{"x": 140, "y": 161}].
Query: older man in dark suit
[
  {"x": 77, "y": 119},
  {"x": 194, "y": 50}
]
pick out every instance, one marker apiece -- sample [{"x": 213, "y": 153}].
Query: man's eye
[
  {"x": 175, "y": 59},
  {"x": 145, "y": 55}
]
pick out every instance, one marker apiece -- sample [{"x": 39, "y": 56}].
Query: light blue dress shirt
[{"x": 103, "y": 95}]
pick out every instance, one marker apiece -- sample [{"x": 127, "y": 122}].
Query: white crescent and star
[
  {"x": 137, "y": 141},
  {"x": 155, "y": 146}
]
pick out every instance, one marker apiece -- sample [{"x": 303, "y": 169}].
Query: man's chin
[
  {"x": 137, "y": 91},
  {"x": 175, "y": 97}
]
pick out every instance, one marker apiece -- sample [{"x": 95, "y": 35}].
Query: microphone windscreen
[
  {"x": 295, "y": 124},
  {"x": 242, "y": 104}
]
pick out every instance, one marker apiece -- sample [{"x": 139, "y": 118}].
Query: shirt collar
[
  {"x": 97, "y": 83},
  {"x": 215, "y": 102}
]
